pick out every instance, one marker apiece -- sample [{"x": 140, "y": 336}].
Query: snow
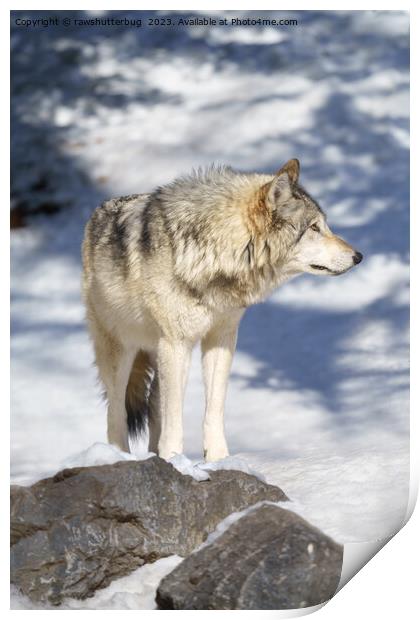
[
  {"x": 106, "y": 454},
  {"x": 225, "y": 524},
  {"x": 199, "y": 469},
  {"x": 232, "y": 462},
  {"x": 318, "y": 397},
  {"x": 97, "y": 454},
  {"x": 184, "y": 465},
  {"x": 336, "y": 491}
]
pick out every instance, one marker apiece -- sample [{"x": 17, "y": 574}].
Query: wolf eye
[{"x": 315, "y": 227}]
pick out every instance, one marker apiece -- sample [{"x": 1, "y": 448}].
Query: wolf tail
[{"x": 139, "y": 401}]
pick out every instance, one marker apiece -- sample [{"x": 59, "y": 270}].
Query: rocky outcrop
[
  {"x": 269, "y": 559},
  {"x": 75, "y": 532}
]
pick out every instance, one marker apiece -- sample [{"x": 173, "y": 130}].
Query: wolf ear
[
  {"x": 278, "y": 190},
  {"x": 292, "y": 169}
]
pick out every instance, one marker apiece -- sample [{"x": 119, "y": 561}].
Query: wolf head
[{"x": 313, "y": 247}]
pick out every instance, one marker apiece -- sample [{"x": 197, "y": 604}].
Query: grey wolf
[{"x": 165, "y": 270}]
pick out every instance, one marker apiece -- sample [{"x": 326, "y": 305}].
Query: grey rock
[
  {"x": 269, "y": 559},
  {"x": 75, "y": 532}
]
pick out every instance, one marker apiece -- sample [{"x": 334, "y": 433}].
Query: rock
[
  {"x": 75, "y": 532},
  {"x": 269, "y": 559}
]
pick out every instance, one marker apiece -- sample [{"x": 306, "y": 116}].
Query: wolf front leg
[
  {"x": 217, "y": 348},
  {"x": 173, "y": 359}
]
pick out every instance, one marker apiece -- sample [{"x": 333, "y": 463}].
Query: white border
[{"x": 387, "y": 585}]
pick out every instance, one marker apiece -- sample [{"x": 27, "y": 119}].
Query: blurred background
[{"x": 318, "y": 399}]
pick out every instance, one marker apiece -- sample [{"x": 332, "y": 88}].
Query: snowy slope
[{"x": 318, "y": 399}]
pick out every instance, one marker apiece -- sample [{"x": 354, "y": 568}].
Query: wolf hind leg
[
  {"x": 217, "y": 349},
  {"x": 114, "y": 363}
]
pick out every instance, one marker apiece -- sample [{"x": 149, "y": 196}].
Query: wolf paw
[
  {"x": 169, "y": 450},
  {"x": 215, "y": 453}
]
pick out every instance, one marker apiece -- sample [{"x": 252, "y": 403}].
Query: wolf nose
[{"x": 357, "y": 258}]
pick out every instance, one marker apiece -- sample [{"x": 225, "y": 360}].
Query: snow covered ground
[{"x": 318, "y": 398}]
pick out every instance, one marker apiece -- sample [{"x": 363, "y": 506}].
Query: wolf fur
[{"x": 165, "y": 270}]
